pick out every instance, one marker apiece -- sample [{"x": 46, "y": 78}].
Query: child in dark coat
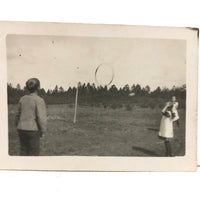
[{"x": 31, "y": 119}]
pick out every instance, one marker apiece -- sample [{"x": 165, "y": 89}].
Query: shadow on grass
[{"x": 146, "y": 151}]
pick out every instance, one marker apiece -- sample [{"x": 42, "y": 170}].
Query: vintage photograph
[{"x": 96, "y": 96}]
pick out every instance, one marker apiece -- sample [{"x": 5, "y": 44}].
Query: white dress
[{"x": 166, "y": 126}]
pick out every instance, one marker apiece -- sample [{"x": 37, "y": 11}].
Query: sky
[{"x": 66, "y": 60}]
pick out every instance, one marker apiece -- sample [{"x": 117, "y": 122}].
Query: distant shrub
[{"x": 128, "y": 107}]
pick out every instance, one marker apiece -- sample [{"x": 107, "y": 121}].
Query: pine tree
[{"x": 18, "y": 87}]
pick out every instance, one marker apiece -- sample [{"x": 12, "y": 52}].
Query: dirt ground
[{"x": 102, "y": 132}]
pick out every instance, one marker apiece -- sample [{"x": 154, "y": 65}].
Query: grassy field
[{"x": 102, "y": 132}]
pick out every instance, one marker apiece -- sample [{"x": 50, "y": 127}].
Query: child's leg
[
  {"x": 23, "y": 143},
  {"x": 168, "y": 151},
  {"x": 34, "y": 143}
]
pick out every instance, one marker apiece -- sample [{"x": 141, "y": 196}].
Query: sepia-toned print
[
  {"x": 104, "y": 96},
  {"x": 86, "y": 97}
]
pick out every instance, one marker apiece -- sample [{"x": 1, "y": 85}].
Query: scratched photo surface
[{"x": 103, "y": 96}]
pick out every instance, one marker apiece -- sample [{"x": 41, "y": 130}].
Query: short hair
[{"x": 32, "y": 84}]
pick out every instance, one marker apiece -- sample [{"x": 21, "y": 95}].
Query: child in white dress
[{"x": 166, "y": 126}]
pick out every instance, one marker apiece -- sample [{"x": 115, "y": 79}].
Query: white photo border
[{"x": 103, "y": 163}]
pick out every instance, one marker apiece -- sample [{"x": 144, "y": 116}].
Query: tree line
[{"x": 90, "y": 94}]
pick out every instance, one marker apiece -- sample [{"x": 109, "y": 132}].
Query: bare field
[{"x": 102, "y": 132}]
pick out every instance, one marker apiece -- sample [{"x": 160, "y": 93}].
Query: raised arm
[
  {"x": 41, "y": 115},
  {"x": 165, "y": 108}
]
